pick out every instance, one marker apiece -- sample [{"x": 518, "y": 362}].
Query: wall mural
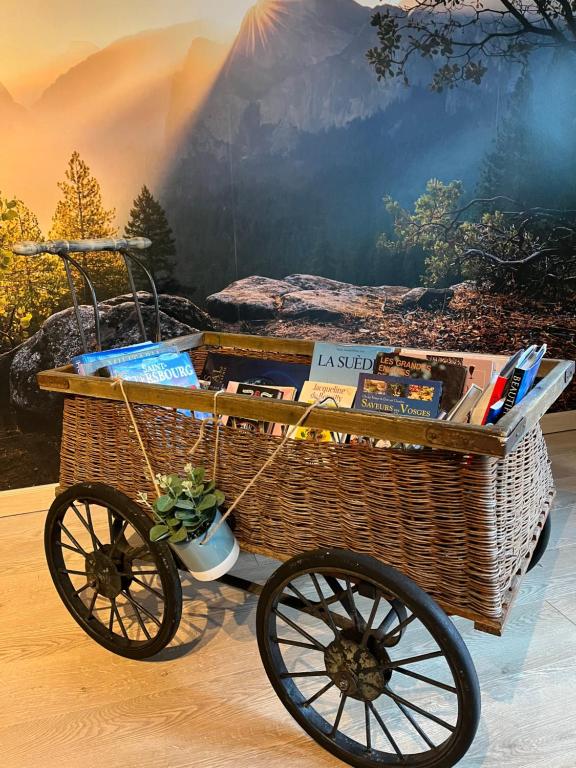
[{"x": 359, "y": 149}]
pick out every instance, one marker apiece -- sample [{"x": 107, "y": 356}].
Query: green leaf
[
  {"x": 185, "y": 504},
  {"x": 198, "y": 490},
  {"x": 159, "y": 532},
  {"x": 185, "y": 514},
  {"x": 179, "y": 536},
  {"x": 207, "y": 502},
  {"x": 164, "y": 503},
  {"x": 219, "y": 497},
  {"x": 199, "y": 474},
  {"x": 210, "y": 486}
]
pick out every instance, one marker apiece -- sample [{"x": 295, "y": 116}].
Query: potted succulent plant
[{"x": 185, "y": 514}]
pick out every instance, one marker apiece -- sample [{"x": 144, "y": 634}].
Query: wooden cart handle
[{"x": 57, "y": 247}]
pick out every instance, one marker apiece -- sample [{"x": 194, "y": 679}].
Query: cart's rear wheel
[
  {"x": 122, "y": 589},
  {"x": 542, "y": 545},
  {"x": 367, "y": 663}
]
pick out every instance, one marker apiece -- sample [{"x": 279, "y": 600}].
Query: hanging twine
[{"x": 289, "y": 432}]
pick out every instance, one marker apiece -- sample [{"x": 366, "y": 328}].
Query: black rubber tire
[
  {"x": 542, "y": 545},
  {"x": 122, "y": 507},
  {"x": 429, "y": 613}
]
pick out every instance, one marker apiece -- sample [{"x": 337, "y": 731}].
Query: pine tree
[
  {"x": 148, "y": 219},
  {"x": 81, "y": 214}
]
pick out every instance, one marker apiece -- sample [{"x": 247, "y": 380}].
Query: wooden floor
[{"x": 205, "y": 702}]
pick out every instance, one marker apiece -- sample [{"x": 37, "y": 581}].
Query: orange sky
[{"x": 35, "y": 32}]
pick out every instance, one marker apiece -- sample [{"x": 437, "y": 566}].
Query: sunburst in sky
[{"x": 262, "y": 19}]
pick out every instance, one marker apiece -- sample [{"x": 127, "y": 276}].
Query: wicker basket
[{"x": 460, "y": 516}]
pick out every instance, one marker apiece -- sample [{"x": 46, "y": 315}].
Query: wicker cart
[{"x": 378, "y": 545}]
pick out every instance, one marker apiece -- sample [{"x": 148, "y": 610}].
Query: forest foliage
[{"x": 33, "y": 288}]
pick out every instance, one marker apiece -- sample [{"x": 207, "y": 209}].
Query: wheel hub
[
  {"x": 354, "y": 669},
  {"x": 102, "y": 571}
]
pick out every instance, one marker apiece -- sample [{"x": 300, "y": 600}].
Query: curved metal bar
[
  {"x": 67, "y": 259},
  {"x": 59, "y": 247},
  {"x": 154, "y": 291}
]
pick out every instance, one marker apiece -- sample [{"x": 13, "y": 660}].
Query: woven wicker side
[
  {"x": 524, "y": 486},
  {"x": 432, "y": 514}
]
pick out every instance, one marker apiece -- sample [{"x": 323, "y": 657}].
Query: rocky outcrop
[
  {"x": 427, "y": 298},
  {"x": 58, "y": 340},
  {"x": 253, "y": 298},
  {"x": 298, "y": 296}
]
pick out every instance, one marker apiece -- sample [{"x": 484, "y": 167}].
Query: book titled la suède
[{"x": 343, "y": 363}]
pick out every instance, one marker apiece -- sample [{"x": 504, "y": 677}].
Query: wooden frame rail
[{"x": 497, "y": 440}]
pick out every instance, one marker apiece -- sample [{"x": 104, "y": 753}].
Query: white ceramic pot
[{"x": 209, "y": 561}]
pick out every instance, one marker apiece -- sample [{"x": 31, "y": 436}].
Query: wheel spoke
[
  {"x": 119, "y": 619},
  {"x": 338, "y": 716},
  {"x": 141, "y": 573},
  {"x": 321, "y": 692},
  {"x": 141, "y": 621},
  {"x": 321, "y": 673},
  {"x": 67, "y": 546},
  {"x": 158, "y": 594},
  {"x": 366, "y": 634},
  {"x": 419, "y": 710},
  {"x": 333, "y": 626},
  {"x": 368, "y": 731},
  {"x": 295, "y": 643},
  {"x": 118, "y": 537},
  {"x": 95, "y": 539},
  {"x": 111, "y": 620},
  {"x": 144, "y": 610},
  {"x": 354, "y": 615},
  {"x": 341, "y": 596},
  {"x": 299, "y": 629},
  {"x": 411, "y": 660},
  {"x": 92, "y": 604},
  {"x": 389, "y": 635},
  {"x": 72, "y": 573},
  {"x": 72, "y": 539},
  {"x": 418, "y": 729},
  {"x": 387, "y": 733},
  {"x": 428, "y": 680},
  {"x": 79, "y": 591},
  {"x": 110, "y": 524},
  {"x": 95, "y": 543}
]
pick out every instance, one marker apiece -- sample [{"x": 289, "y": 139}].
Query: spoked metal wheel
[
  {"x": 367, "y": 663},
  {"x": 122, "y": 589}
]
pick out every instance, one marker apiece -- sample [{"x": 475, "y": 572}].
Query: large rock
[
  {"x": 427, "y": 298},
  {"x": 58, "y": 340},
  {"x": 328, "y": 306},
  {"x": 253, "y": 298},
  {"x": 261, "y": 298}
]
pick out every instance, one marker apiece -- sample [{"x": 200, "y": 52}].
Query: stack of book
[{"x": 381, "y": 380}]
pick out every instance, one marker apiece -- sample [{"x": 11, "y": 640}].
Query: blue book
[
  {"x": 90, "y": 362},
  {"x": 398, "y": 395},
  {"x": 343, "y": 363},
  {"x": 523, "y": 378},
  {"x": 173, "y": 369}
]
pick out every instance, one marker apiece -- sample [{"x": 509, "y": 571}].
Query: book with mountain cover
[
  {"x": 219, "y": 369},
  {"x": 398, "y": 395},
  {"x": 453, "y": 377},
  {"x": 329, "y": 396}
]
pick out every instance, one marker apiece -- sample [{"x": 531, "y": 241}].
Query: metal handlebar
[
  {"x": 124, "y": 246},
  {"x": 59, "y": 247}
]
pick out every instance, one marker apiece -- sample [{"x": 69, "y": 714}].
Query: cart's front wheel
[
  {"x": 122, "y": 589},
  {"x": 367, "y": 663}
]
